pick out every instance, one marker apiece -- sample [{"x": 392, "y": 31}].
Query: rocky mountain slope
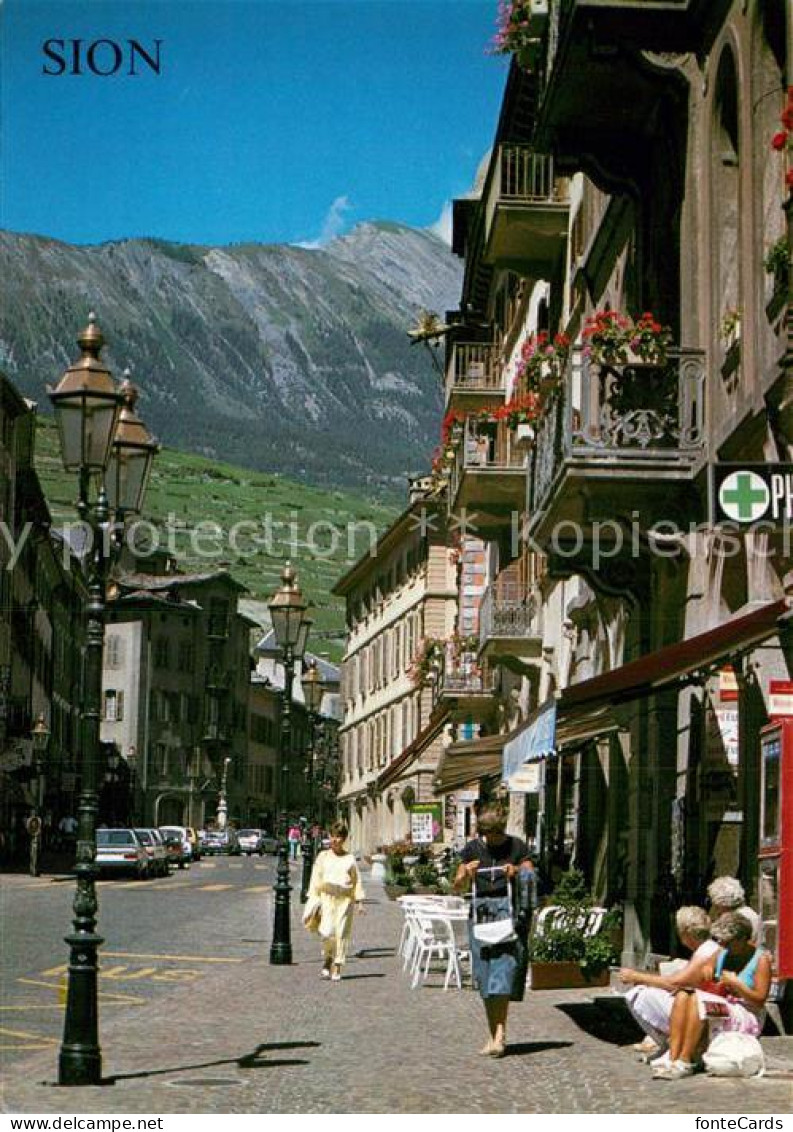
[{"x": 277, "y": 357}]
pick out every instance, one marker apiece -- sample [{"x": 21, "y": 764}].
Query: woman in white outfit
[
  {"x": 337, "y": 891},
  {"x": 651, "y": 998}
]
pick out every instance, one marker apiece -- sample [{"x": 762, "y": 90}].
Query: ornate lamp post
[
  {"x": 41, "y": 737},
  {"x": 87, "y": 409},
  {"x": 313, "y": 691},
  {"x": 290, "y": 626},
  {"x": 223, "y": 808}
]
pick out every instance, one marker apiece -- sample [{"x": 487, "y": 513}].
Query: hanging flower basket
[{"x": 615, "y": 339}]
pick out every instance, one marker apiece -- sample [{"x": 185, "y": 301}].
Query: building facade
[{"x": 626, "y": 311}]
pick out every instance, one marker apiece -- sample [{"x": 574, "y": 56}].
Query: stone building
[
  {"x": 401, "y": 608},
  {"x": 633, "y": 187},
  {"x": 175, "y": 683}
]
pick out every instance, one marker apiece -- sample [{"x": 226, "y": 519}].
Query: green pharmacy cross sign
[{"x": 743, "y": 495}]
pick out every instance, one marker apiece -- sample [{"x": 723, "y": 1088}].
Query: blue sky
[{"x": 272, "y": 120}]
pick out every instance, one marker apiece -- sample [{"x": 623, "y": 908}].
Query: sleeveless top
[{"x": 747, "y": 977}]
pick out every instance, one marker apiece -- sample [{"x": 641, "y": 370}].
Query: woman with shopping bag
[
  {"x": 503, "y": 893},
  {"x": 334, "y": 894}
]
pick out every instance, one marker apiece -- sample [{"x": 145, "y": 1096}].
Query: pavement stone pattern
[{"x": 270, "y": 1039}]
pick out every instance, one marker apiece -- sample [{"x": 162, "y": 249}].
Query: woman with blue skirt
[{"x": 501, "y": 874}]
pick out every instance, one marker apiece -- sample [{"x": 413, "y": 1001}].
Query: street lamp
[
  {"x": 313, "y": 691},
  {"x": 290, "y": 628},
  {"x": 87, "y": 409},
  {"x": 41, "y": 737},
  {"x": 223, "y": 809}
]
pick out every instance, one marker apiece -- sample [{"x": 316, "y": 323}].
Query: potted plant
[
  {"x": 612, "y": 338},
  {"x": 777, "y": 265},
  {"x": 566, "y": 952}
]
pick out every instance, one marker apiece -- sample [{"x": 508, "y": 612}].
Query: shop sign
[
  {"x": 728, "y": 684},
  {"x": 722, "y": 737},
  {"x": 425, "y": 823},
  {"x": 780, "y": 698},
  {"x": 743, "y": 495}
]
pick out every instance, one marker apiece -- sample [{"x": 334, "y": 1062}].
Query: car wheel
[{"x": 181, "y": 864}]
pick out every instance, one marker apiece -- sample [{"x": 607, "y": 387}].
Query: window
[
  {"x": 186, "y": 661},
  {"x": 114, "y": 651},
  {"x": 162, "y": 652},
  {"x": 114, "y": 706}
]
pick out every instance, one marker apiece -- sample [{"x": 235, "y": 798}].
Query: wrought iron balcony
[
  {"x": 526, "y": 212},
  {"x": 510, "y": 619},
  {"x": 618, "y": 439},
  {"x": 464, "y": 683},
  {"x": 488, "y": 475},
  {"x": 473, "y": 375}
]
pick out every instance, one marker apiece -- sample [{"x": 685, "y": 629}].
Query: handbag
[
  {"x": 312, "y": 915},
  {"x": 494, "y": 932}
]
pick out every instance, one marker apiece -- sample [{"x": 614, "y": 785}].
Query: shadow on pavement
[
  {"x": 253, "y": 1060},
  {"x": 369, "y": 975},
  {"x": 375, "y": 952},
  {"x": 523, "y": 1049},
  {"x": 609, "y": 1025}
]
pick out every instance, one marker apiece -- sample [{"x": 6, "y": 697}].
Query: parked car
[
  {"x": 217, "y": 841},
  {"x": 120, "y": 851},
  {"x": 195, "y": 843},
  {"x": 251, "y": 841},
  {"x": 177, "y": 845},
  {"x": 154, "y": 844},
  {"x": 270, "y": 843}
]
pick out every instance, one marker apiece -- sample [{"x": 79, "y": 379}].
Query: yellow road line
[
  {"x": 24, "y": 1034},
  {"x": 148, "y": 955},
  {"x": 42, "y": 1006},
  {"x": 259, "y": 888},
  {"x": 214, "y": 887},
  {"x": 111, "y": 997}
]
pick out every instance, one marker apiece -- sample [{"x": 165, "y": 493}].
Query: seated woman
[
  {"x": 741, "y": 980},
  {"x": 651, "y": 997}
]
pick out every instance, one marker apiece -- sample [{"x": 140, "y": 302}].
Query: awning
[
  {"x": 675, "y": 663},
  {"x": 592, "y": 708},
  {"x": 536, "y": 739},
  {"x": 468, "y": 761},
  {"x": 413, "y": 751}
]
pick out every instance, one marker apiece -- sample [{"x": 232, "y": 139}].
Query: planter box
[{"x": 557, "y": 976}]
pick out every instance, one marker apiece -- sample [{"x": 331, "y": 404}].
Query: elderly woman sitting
[
  {"x": 651, "y": 997},
  {"x": 738, "y": 981},
  {"x": 726, "y": 895}
]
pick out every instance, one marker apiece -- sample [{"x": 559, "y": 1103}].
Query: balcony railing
[
  {"x": 635, "y": 420},
  {"x": 461, "y": 675},
  {"x": 509, "y": 611},
  {"x": 526, "y": 210},
  {"x": 473, "y": 367},
  {"x": 485, "y": 447}
]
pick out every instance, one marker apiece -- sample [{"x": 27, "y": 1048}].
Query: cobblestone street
[{"x": 259, "y": 1038}]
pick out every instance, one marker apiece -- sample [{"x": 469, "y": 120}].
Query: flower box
[{"x": 560, "y": 975}]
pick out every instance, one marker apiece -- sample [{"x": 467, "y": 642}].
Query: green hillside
[{"x": 304, "y": 523}]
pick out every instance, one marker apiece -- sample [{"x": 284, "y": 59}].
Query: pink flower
[{"x": 779, "y": 141}]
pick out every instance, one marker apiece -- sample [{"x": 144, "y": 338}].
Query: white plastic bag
[{"x": 734, "y": 1055}]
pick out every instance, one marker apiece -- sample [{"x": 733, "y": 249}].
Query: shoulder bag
[{"x": 494, "y": 932}]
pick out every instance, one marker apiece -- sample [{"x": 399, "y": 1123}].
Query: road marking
[
  {"x": 259, "y": 888},
  {"x": 176, "y": 958},
  {"x": 26, "y": 1034},
  {"x": 125, "y": 998},
  {"x": 45, "y": 1006},
  {"x": 214, "y": 887}
]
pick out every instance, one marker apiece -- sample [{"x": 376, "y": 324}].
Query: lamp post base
[
  {"x": 281, "y": 949},
  {"x": 80, "y": 1059}
]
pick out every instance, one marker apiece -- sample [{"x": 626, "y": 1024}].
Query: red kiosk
[{"x": 776, "y": 843}]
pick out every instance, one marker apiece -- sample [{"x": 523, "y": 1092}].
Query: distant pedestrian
[
  {"x": 502, "y": 875},
  {"x": 333, "y": 896},
  {"x": 294, "y": 836}
]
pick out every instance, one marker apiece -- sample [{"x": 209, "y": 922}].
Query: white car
[
  {"x": 152, "y": 842},
  {"x": 120, "y": 851},
  {"x": 251, "y": 841},
  {"x": 178, "y": 832}
]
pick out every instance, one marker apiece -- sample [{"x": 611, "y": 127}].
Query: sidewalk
[{"x": 278, "y": 1039}]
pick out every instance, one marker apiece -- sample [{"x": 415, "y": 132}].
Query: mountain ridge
[{"x": 280, "y": 357}]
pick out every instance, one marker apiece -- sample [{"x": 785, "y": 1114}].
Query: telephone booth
[{"x": 775, "y": 873}]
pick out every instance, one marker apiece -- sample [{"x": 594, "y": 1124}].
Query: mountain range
[{"x": 276, "y": 357}]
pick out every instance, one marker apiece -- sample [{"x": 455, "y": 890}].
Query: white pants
[{"x": 652, "y": 1009}]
